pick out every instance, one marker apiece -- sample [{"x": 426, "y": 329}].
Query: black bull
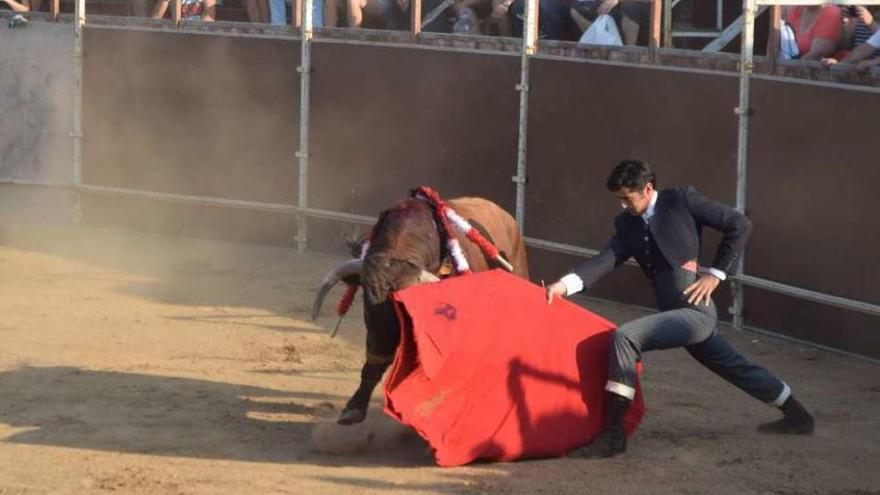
[{"x": 406, "y": 249}]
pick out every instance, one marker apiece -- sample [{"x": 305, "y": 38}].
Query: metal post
[
  {"x": 529, "y": 45},
  {"x": 667, "y": 23},
  {"x": 656, "y": 16},
  {"x": 743, "y": 110},
  {"x": 773, "y": 39},
  {"x": 415, "y": 17},
  {"x": 77, "y": 134},
  {"x": 305, "y": 70}
]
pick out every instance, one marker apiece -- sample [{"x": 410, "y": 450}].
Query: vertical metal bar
[
  {"x": 529, "y": 46},
  {"x": 719, "y": 15},
  {"x": 415, "y": 17},
  {"x": 176, "y": 7},
  {"x": 743, "y": 110},
  {"x": 773, "y": 39},
  {"x": 667, "y": 23},
  {"x": 305, "y": 70},
  {"x": 656, "y": 17},
  {"x": 77, "y": 134}
]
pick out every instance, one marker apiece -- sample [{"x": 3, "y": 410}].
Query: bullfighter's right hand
[{"x": 556, "y": 289}]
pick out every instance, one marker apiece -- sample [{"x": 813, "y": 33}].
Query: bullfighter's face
[{"x": 635, "y": 201}]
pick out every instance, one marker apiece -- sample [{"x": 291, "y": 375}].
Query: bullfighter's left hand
[{"x": 701, "y": 290}]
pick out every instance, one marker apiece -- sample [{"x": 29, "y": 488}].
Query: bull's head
[
  {"x": 379, "y": 275},
  {"x": 404, "y": 248}
]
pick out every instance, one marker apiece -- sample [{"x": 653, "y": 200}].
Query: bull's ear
[
  {"x": 353, "y": 238},
  {"x": 355, "y": 245},
  {"x": 353, "y": 279}
]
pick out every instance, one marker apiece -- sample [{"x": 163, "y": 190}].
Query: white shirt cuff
[
  {"x": 718, "y": 273},
  {"x": 573, "y": 284}
]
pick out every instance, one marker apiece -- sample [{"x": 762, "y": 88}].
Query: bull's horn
[
  {"x": 426, "y": 277},
  {"x": 350, "y": 267}
]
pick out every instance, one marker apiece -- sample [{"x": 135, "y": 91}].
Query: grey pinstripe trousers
[{"x": 695, "y": 329}]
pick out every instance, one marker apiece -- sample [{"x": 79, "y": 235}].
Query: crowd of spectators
[
  {"x": 836, "y": 36},
  {"x": 558, "y": 19}
]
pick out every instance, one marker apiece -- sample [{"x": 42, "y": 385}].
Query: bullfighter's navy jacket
[{"x": 671, "y": 237}]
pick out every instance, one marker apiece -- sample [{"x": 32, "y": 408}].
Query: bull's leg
[{"x": 371, "y": 374}]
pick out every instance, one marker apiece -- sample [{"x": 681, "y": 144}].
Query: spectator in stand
[
  {"x": 468, "y": 14},
  {"x": 553, "y": 18},
  {"x": 631, "y": 15},
  {"x": 357, "y": 9},
  {"x": 23, "y": 5},
  {"x": 257, "y": 10},
  {"x": 861, "y": 55},
  {"x": 634, "y": 15},
  {"x": 190, "y": 10},
  {"x": 816, "y": 29},
  {"x": 585, "y": 12},
  {"x": 278, "y": 12},
  {"x": 397, "y": 17},
  {"x": 858, "y": 27},
  {"x": 500, "y": 17}
]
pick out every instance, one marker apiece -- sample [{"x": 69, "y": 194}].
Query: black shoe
[
  {"x": 797, "y": 421},
  {"x": 611, "y": 441},
  {"x": 608, "y": 443}
]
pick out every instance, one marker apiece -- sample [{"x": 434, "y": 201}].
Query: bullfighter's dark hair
[{"x": 631, "y": 174}]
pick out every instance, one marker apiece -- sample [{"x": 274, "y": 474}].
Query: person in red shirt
[{"x": 816, "y": 30}]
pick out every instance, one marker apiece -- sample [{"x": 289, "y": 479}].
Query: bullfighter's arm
[
  {"x": 590, "y": 271},
  {"x": 733, "y": 224}
]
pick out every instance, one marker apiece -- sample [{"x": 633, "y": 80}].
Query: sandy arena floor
[{"x": 142, "y": 364}]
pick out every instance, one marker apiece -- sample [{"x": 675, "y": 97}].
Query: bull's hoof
[{"x": 351, "y": 416}]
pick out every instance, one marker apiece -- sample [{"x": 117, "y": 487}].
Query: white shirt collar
[{"x": 652, "y": 204}]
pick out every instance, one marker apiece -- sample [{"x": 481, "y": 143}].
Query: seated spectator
[
  {"x": 858, "y": 26},
  {"x": 190, "y": 10},
  {"x": 585, "y": 12},
  {"x": 357, "y": 9},
  {"x": 631, "y": 15},
  {"x": 437, "y": 16},
  {"x": 257, "y": 10},
  {"x": 469, "y": 13},
  {"x": 861, "y": 55},
  {"x": 278, "y": 12},
  {"x": 553, "y": 19},
  {"x": 23, "y": 5},
  {"x": 500, "y": 17},
  {"x": 816, "y": 30}
]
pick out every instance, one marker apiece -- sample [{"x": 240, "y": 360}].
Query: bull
[{"x": 406, "y": 249}]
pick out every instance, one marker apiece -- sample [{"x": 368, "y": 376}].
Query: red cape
[{"x": 487, "y": 370}]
